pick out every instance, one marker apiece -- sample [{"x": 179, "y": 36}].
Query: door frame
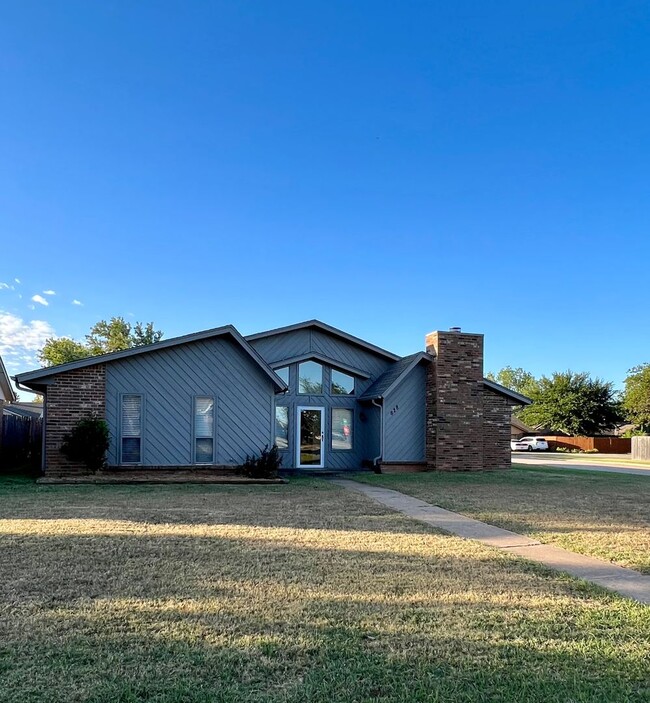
[{"x": 299, "y": 410}]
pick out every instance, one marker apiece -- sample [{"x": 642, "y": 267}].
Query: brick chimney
[{"x": 454, "y": 403}]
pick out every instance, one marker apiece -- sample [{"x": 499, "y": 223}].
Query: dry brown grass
[
  {"x": 605, "y": 515},
  {"x": 290, "y": 593}
]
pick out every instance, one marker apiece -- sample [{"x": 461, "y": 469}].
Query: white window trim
[
  {"x": 322, "y": 435},
  {"x": 213, "y": 436},
  {"x": 142, "y": 419}
]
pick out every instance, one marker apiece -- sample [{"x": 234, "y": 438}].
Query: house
[
  {"x": 518, "y": 429},
  {"x": 32, "y": 411},
  {"x": 327, "y": 399},
  {"x": 7, "y": 393}
]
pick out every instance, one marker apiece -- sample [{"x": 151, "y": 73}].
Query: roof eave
[
  {"x": 4, "y": 382},
  {"x": 40, "y": 376},
  {"x": 518, "y": 398},
  {"x": 421, "y": 356},
  {"x": 326, "y": 328},
  {"x": 323, "y": 359}
]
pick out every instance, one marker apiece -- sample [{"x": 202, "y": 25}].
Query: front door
[{"x": 311, "y": 435}]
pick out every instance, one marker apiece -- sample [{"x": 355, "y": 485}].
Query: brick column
[
  {"x": 497, "y": 413},
  {"x": 73, "y": 396},
  {"x": 431, "y": 401},
  {"x": 454, "y": 402}
]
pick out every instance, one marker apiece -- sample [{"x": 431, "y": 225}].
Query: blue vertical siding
[
  {"x": 245, "y": 398},
  {"x": 404, "y": 419},
  {"x": 170, "y": 378},
  {"x": 291, "y": 344},
  {"x": 287, "y": 345},
  {"x": 334, "y": 459}
]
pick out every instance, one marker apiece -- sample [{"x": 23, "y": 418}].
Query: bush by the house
[
  {"x": 265, "y": 465},
  {"x": 87, "y": 443}
]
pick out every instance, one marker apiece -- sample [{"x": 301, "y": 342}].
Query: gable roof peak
[
  {"x": 334, "y": 331},
  {"x": 39, "y": 374}
]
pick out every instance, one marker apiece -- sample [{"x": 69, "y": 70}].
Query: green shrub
[
  {"x": 266, "y": 465},
  {"x": 638, "y": 432},
  {"x": 87, "y": 443},
  {"x": 561, "y": 449}
]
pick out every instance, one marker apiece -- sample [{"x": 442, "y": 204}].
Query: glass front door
[{"x": 310, "y": 438}]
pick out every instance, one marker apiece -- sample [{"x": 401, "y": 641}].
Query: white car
[{"x": 529, "y": 444}]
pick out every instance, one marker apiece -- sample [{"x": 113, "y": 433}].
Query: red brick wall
[
  {"x": 431, "y": 401},
  {"x": 454, "y": 402},
  {"x": 497, "y": 412},
  {"x": 73, "y": 395}
]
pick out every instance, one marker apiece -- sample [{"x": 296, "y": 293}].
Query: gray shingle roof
[
  {"x": 33, "y": 377},
  {"x": 393, "y": 375}
]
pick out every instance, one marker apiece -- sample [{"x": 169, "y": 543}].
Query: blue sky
[{"x": 389, "y": 168}]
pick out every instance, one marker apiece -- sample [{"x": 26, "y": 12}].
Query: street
[{"x": 611, "y": 463}]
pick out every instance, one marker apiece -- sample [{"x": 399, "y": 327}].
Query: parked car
[
  {"x": 518, "y": 446},
  {"x": 529, "y": 444}
]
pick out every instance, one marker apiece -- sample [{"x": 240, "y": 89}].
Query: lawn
[
  {"x": 605, "y": 515},
  {"x": 296, "y": 593}
]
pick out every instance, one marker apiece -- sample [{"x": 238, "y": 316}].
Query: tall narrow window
[
  {"x": 342, "y": 428},
  {"x": 131, "y": 448},
  {"x": 203, "y": 430},
  {"x": 282, "y": 427}
]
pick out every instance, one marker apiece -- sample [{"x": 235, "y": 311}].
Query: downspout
[{"x": 375, "y": 461}]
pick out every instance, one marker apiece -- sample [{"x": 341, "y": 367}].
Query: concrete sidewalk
[{"x": 615, "y": 578}]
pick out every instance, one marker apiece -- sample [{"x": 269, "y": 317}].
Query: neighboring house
[
  {"x": 33, "y": 411},
  {"x": 518, "y": 429},
  {"x": 7, "y": 393},
  {"x": 328, "y": 400}
]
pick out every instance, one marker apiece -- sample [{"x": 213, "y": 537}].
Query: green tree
[
  {"x": 62, "y": 350},
  {"x": 573, "y": 403},
  {"x": 105, "y": 337},
  {"x": 636, "y": 397},
  {"x": 516, "y": 380},
  {"x": 145, "y": 334}
]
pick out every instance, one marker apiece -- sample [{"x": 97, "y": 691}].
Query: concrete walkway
[{"x": 615, "y": 578}]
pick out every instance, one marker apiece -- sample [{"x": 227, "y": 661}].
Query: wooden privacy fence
[
  {"x": 607, "y": 445},
  {"x": 641, "y": 448},
  {"x": 20, "y": 442}
]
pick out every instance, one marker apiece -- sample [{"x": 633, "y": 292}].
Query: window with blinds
[
  {"x": 203, "y": 430},
  {"x": 131, "y": 444}
]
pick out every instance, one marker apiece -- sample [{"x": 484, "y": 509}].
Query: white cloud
[
  {"x": 17, "y": 280},
  {"x": 39, "y": 299},
  {"x": 5, "y": 286},
  {"x": 49, "y": 292},
  {"x": 77, "y": 302},
  {"x": 21, "y": 339}
]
